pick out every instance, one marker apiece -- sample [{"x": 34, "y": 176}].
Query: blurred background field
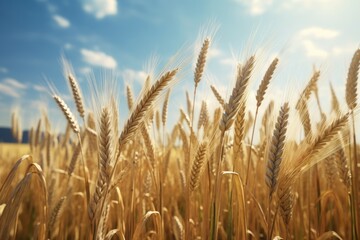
[{"x": 13, "y": 150}]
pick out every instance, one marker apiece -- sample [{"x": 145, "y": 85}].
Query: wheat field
[{"x": 208, "y": 177}]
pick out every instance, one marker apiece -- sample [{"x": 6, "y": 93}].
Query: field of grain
[{"x": 207, "y": 178}]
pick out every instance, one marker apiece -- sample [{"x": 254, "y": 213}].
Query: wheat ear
[
  {"x": 77, "y": 95},
  {"x": 351, "y": 82},
  {"x": 265, "y": 82},
  {"x": 343, "y": 168},
  {"x": 204, "y": 116},
  {"x": 14, "y": 125},
  {"x": 328, "y": 135},
  {"x": 165, "y": 108},
  {"x": 186, "y": 146},
  {"x": 237, "y": 94},
  {"x": 75, "y": 156},
  {"x": 197, "y": 166},
  {"x": 54, "y": 215},
  {"x": 68, "y": 114},
  {"x": 106, "y": 154},
  {"x": 330, "y": 171},
  {"x": 200, "y": 64},
  {"x": 149, "y": 146},
  {"x": 184, "y": 116},
  {"x": 157, "y": 120},
  {"x": 178, "y": 228},
  {"x": 305, "y": 120},
  {"x": 143, "y": 106},
  {"x": 259, "y": 98},
  {"x": 310, "y": 87},
  {"x": 277, "y": 148},
  {"x": 31, "y": 139},
  {"x": 286, "y": 202},
  {"x": 129, "y": 97},
  {"x": 19, "y": 134},
  {"x": 305, "y": 160},
  {"x": 188, "y": 103},
  {"x": 266, "y": 119},
  {"x": 37, "y": 134},
  {"x": 218, "y": 96},
  {"x": 334, "y": 101},
  {"x": 239, "y": 131},
  {"x": 106, "y": 148}
]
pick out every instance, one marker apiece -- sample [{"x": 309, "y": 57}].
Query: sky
[{"x": 123, "y": 37}]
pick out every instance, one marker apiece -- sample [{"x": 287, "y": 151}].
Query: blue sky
[{"x": 121, "y": 36}]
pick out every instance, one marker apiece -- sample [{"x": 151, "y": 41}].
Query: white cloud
[
  {"x": 318, "y": 33},
  {"x": 317, "y": 42},
  {"x": 346, "y": 49},
  {"x": 51, "y": 8},
  {"x": 40, "y": 88},
  {"x": 214, "y": 52},
  {"x": 311, "y": 50},
  {"x": 98, "y": 58},
  {"x": 287, "y": 4},
  {"x": 85, "y": 70},
  {"x": 100, "y": 8},
  {"x": 14, "y": 83},
  {"x": 7, "y": 90},
  {"x": 38, "y": 104},
  {"x": 68, "y": 46},
  {"x": 3, "y": 70},
  {"x": 316, "y": 49},
  {"x": 256, "y": 7},
  {"x": 61, "y": 21},
  {"x": 130, "y": 75},
  {"x": 228, "y": 61}
]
